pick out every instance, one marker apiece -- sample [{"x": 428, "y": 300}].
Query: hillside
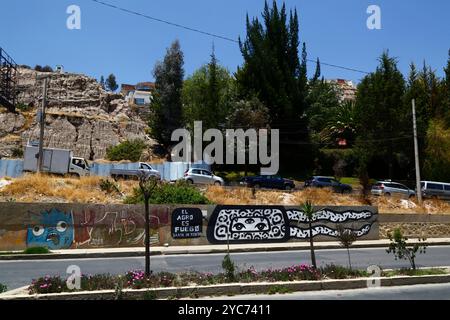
[{"x": 81, "y": 116}]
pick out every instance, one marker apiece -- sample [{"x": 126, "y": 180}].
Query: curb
[
  {"x": 236, "y": 289},
  {"x": 131, "y": 254}
]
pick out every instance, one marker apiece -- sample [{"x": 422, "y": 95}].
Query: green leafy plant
[
  {"x": 47, "y": 284},
  {"x": 346, "y": 238},
  {"x": 400, "y": 249},
  {"x": 109, "y": 186},
  {"x": 167, "y": 193},
  {"x": 17, "y": 152},
  {"x": 279, "y": 290},
  {"x": 150, "y": 295},
  {"x": 229, "y": 268},
  {"x": 308, "y": 210},
  {"x": 128, "y": 150},
  {"x": 37, "y": 250},
  {"x": 3, "y": 288},
  {"x": 338, "y": 272}
]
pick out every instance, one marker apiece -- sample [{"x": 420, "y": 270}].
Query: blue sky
[{"x": 110, "y": 41}]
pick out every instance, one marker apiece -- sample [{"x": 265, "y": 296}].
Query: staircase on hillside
[{"x": 8, "y": 71}]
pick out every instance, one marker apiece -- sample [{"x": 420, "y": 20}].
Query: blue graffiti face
[{"x": 54, "y": 230}]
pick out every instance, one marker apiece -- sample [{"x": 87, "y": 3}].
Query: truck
[
  {"x": 57, "y": 161},
  {"x": 144, "y": 168}
]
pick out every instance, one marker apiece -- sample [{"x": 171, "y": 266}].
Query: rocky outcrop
[{"x": 81, "y": 116}]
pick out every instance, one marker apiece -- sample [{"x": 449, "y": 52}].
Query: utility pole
[
  {"x": 42, "y": 126},
  {"x": 416, "y": 154}
]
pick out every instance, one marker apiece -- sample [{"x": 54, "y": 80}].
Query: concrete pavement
[{"x": 205, "y": 249}]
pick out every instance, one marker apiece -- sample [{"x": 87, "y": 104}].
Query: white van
[{"x": 435, "y": 190}]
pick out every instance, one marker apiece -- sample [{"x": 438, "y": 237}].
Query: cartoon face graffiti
[
  {"x": 243, "y": 224},
  {"x": 52, "y": 229},
  {"x": 250, "y": 224}
]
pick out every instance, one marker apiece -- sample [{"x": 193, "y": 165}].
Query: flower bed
[{"x": 136, "y": 279}]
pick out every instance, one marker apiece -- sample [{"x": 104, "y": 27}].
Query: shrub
[
  {"x": 166, "y": 193},
  {"x": 338, "y": 272},
  {"x": 3, "y": 288},
  {"x": 109, "y": 186},
  {"x": 17, "y": 152},
  {"x": 37, "y": 250},
  {"x": 47, "y": 284},
  {"x": 294, "y": 273},
  {"x": 229, "y": 267},
  {"x": 129, "y": 150},
  {"x": 399, "y": 248}
]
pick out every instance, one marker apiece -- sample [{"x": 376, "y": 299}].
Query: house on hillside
[
  {"x": 346, "y": 87},
  {"x": 140, "y": 94}
]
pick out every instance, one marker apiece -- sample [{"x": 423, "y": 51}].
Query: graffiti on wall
[
  {"x": 247, "y": 224},
  {"x": 52, "y": 229},
  {"x": 91, "y": 228}
]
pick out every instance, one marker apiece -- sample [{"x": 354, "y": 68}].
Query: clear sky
[{"x": 110, "y": 41}]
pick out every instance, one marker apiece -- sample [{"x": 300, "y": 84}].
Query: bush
[
  {"x": 128, "y": 150},
  {"x": 17, "y": 152},
  {"x": 338, "y": 272},
  {"x": 37, "y": 250},
  {"x": 3, "y": 288},
  {"x": 109, "y": 186},
  {"x": 229, "y": 267},
  {"x": 400, "y": 249},
  {"x": 166, "y": 193},
  {"x": 47, "y": 284}
]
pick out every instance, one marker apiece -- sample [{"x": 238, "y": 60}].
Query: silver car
[
  {"x": 202, "y": 176},
  {"x": 389, "y": 188},
  {"x": 435, "y": 190}
]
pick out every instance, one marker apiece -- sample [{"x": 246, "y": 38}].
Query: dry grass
[
  {"x": 45, "y": 188},
  {"x": 321, "y": 197}
]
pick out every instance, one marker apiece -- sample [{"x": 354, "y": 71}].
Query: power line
[
  {"x": 207, "y": 33},
  {"x": 164, "y": 21}
]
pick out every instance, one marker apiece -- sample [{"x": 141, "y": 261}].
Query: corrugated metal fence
[{"x": 170, "y": 171}]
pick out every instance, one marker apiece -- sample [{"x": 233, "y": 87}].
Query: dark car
[
  {"x": 328, "y": 182},
  {"x": 270, "y": 182}
]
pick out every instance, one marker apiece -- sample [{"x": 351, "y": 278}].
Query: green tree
[
  {"x": 322, "y": 100},
  {"x": 437, "y": 153},
  {"x": 341, "y": 124},
  {"x": 127, "y": 150},
  {"x": 399, "y": 248},
  {"x": 380, "y": 114},
  {"x": 167, "y": 102},
  {"x": 111, "y": 83},
  {"x": 272, "y": 71},
  {"x": 208, "y": 95},
  {"x": 102, "y": 82},
  {"x": 346, "y": 237},
  {"x": 446, "y": 91}
]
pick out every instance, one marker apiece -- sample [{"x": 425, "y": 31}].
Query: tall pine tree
[
  {"x": 167, "y": 103},
  {"x": 273, "y": 71},
  {"x": 380, "y": 118}
]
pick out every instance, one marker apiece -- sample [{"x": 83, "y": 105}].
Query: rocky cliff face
[{"x": 81, "y": 116}]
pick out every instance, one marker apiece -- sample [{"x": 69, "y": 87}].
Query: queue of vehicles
[{"x": 60, "y": 161}]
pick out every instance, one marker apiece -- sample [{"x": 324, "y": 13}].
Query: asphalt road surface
[
  {"x": 418, "y": 292},
  {"x": 17, "y": 274}
]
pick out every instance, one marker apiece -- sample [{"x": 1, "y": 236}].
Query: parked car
[
  {"x": 271, "y": 182},
  {"x": 328, "y": 182},
  {"x": 202, "y": 176},
  {"x": 389, "y": 188},
  {"x": 436, "y": 190},
  {"x": 144, "y": 168}
]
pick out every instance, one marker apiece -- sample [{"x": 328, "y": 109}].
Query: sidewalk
[{"x": 207, "y": 249}]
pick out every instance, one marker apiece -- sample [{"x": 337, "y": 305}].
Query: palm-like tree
[
  {"x": 309, "y": 212},
  {"x": 341, "y": 125}
]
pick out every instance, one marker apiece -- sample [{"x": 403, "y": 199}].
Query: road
[
  {"x": 418, "y": 292},
  {"x": 16, "y": 274}
]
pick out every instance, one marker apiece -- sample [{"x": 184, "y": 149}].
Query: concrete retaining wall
[{"x": 66, "y": 226}]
